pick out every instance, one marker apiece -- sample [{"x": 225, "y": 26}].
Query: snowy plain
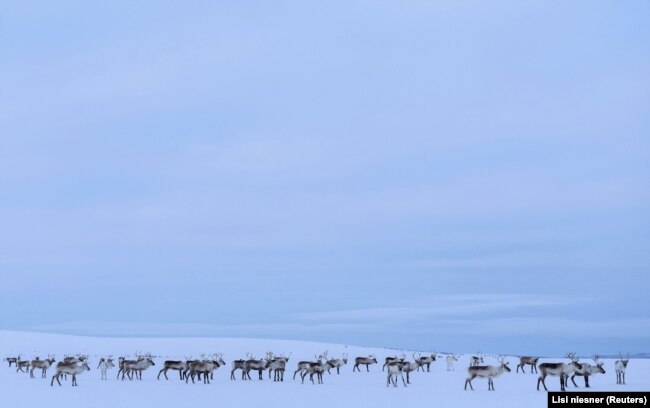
[{"x": 439, "y": 387}]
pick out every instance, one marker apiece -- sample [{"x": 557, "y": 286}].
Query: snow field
[{"x": 439, "y": 387}]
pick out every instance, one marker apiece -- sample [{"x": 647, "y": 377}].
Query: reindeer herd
[{"x": 396, "y": 367}]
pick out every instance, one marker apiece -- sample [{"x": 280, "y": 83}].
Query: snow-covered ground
[{"x": 439, "y": 387}]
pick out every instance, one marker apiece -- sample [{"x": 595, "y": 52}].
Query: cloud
[
  {"x": 446, "y": 306},
  {"x": 547, "y": 327}
]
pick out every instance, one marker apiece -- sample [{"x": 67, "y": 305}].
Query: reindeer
[
  {"x": 121, "y": 361},
  {"x": 42, "y": 364},
  {"x": 180, "y": 366},
  {"x": 259, "y": 365},
  {"x": 137, "y": 367},
  {"x": 317, "y": 367},
  {"x": 450, "y": 362},
  {"x": 488, "y": 372},
  {"x": 557, "y": 369},
  {"x": 71, "y": 368},
  {"x": 365, "y": 361},
  {"x": 476, "y": 360},
  {"x": 409, "y": 367},
  {"x": 218, "y": 359},
  {"x": 395, "y": 368},
  {"x": 79, "y": 358},
  {"x": 104, "y": 365},
  {"x": 20, "y": 364},
  {"x": 585, "y": 370},
  {"x": 205, "y": 367},
  {"x": 303, "y": 366},
  {"x": 422, "y": 361},
  {"x": 12, "y": 360},
  {"x": 389, "y": 360},
  {"x": 523, "y": 360},
  {"x": 278, "y": 365},
  {"x": 337, "y": 363},
  {"x": 620, "y": 367},
  {"x": 67, "y": 359},
  {"x": 237, "y": 365}
]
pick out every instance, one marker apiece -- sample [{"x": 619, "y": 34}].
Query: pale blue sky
[{"x": 450, "y": 175}]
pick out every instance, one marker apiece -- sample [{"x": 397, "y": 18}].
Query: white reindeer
[
  {"x": 104, "y": 365},
  {"x": 395, "y": 368},
  {"x": 488, "y": 372},
  {"x": 72, "y": 368},
  {"x": 620, "y": 367},
  {"x": 450, "y": 362}
]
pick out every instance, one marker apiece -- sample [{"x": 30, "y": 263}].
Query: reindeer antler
[
  {"x": 596, "y": 359},
  {"x": 572, "y": 356}
]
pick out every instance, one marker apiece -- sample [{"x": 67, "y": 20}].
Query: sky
[{"x": 438, "y": 175}]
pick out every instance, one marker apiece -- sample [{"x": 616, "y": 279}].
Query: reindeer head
[
  {"x": 625, "y": 360},
  {"x": 219, "y": 359},
  {"x": 504, "y": 363},
  {"x": 599, "y": 364}
]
